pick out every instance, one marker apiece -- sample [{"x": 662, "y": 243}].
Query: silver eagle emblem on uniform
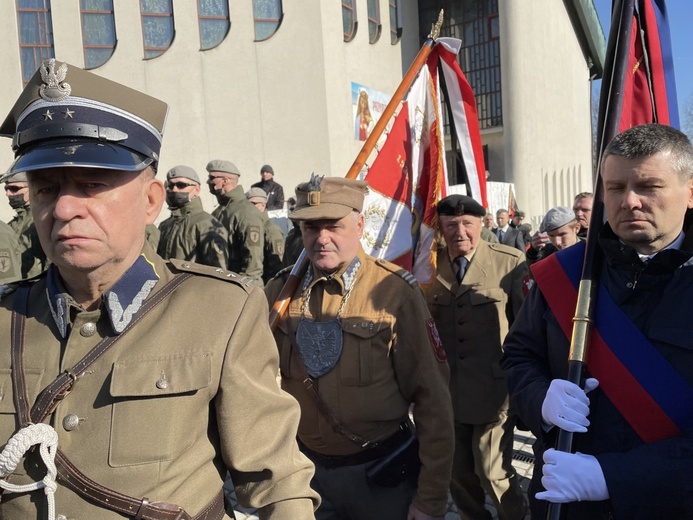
[
  {"x": 54, "y": 88},
  {"x": 320, "y": 344}
]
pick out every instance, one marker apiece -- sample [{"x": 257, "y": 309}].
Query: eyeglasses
[
  {"x": 14, "y": 189},
  {"x": 179, "y": 185},
  {"x": 212, "y": 178}
]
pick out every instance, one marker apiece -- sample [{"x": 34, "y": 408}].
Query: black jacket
[{"x": 645, "y": 481}]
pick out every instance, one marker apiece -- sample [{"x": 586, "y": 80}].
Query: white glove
[
  {"x": 567, "y": 406},
  {"x": 572, "y": 477}
]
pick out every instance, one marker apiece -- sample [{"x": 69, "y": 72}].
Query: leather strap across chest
[{"x": 51, "y": 396}]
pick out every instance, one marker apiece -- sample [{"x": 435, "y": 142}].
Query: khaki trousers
[{"x": 483, "y": 464}]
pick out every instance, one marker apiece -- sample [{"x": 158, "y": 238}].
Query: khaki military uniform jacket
[
  {"x": 188, "y": 392},
  {"x": 473, "y": 319},
  {"x": 33, "y": 258},
  {"x": 388, "y": 361},
  {"x": 243, "y": 222},
  {"x": 192, "y": 234}
]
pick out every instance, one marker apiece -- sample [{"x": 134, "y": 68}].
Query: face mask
[
  {"x": 17, "y": 201},
  {"x": 177, "y": 199}
]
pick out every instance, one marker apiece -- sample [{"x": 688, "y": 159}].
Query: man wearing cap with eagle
[{"x": 140, "y": 398}]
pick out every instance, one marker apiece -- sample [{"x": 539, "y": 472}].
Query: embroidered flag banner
[{"x": 409, "y": 174}]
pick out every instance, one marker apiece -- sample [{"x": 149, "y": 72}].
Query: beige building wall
[
  {"x": 546, "y": 105},
  {"x": 285, "y": 101}
]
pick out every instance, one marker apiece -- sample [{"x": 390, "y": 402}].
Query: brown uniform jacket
[
  {"x": 473, "y": 319},
  {"x": 188, "y": 392},
  {"x": 388, "y": 361}
]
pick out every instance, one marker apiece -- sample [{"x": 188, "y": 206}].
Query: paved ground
[{"x": 523, "y": 460}]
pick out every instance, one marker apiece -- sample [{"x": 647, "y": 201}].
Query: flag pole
[
  {"x": 282, "y": 303},
  {"x": 609, "y": 118}
]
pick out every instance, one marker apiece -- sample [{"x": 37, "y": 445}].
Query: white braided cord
[{"x": 15, "y": 449}]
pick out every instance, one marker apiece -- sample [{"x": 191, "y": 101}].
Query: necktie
[
  {"x": 461, "y": 263},
  {"x": 500, "y": 235}
]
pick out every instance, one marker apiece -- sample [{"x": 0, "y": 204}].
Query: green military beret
[
  {"x": 183, "y": 172},
  {"x": 255, "y": 193},
  {"x": 219, "y": 165},
  {"x": 14, "y": 177}
]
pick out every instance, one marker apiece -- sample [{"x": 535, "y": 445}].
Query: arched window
[
  {"x": 214, "y": 22},
  {"x": 349, "y": 19},
  {"x": 374, "y": 26},
  {"x": 98, "y": 32},
  {"x": 35, "y": 35},
  {"x": 268, "y": 17},
  {"x": 157, "y": 26},
  {"x": 395, "y": 22}
]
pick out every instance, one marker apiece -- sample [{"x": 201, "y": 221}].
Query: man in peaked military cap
[
  {"x": 156, "y": 395},
  {"x": 29, "y": 249},
  {"x": 357, "y": 349},
  {"x": 241, "y": 220},
  {"x": 190, "y": 233},
  {"x": 476, "y": 295}
]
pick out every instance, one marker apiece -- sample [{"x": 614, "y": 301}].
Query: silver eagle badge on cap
[
  {"x": 314, "y": 189},
  {"x": 55, "y": 88}
]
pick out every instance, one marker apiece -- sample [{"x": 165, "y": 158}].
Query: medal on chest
[{"x": 320, "y": 342}]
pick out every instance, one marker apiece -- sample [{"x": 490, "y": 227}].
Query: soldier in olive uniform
[
  {"x": 190, "y": 233},
  {"x": 293, "y": 245},
  {"x": 242, "y": 222},
  {"x": 29, "y": 249},
  {"x": 358, "y": 348},
  {"x": 10, "y": 265},
  {"x": 157, "y": 394},
  {"x": 274, "y": 238},
  {"x": 478, "y": 291}
]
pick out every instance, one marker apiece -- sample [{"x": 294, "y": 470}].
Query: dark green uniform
[
  {"x": 190, "y": 233},
  {"x": 152, "y": 235},
  {"x": 244, "y": 225},
  {"x": 274, "y": 248},
  {"x": 292, "y": 246},
  {"x": 9, "y": 258},
  {"x": 32, "y": 256}
]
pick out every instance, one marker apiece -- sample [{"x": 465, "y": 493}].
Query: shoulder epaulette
[
  {"x": 213, "y": 272},
  {"x": 502, "y": 248},
  {"x": 401, "y": 272}
]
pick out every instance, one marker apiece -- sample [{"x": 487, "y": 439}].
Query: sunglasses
[
  {"x": 14, "y": 189},
  {"x": 179, "y": 185}
]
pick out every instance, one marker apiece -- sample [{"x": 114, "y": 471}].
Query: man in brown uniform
[
  {"x": 475, "y": 297},
  {"x": 160, "y": 393},
  {"x": 357, "y": 348}
]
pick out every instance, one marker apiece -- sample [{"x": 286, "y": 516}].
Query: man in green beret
[
  {"x": 358, "y": 349},
  {"x": 190, "y": 233},
  {"x": 163, "y": 368},
  {"x": 478, "y": 290},
  {"x": 29, "y": 248},
  {"x": 241, "y": 220}
]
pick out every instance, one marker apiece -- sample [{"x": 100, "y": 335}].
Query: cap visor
[
  {"x": 82, "y": 154},
  {"x": 321, "y": 212}
]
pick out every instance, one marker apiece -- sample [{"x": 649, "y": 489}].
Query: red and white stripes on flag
[{"x": 409, "y": 174}]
